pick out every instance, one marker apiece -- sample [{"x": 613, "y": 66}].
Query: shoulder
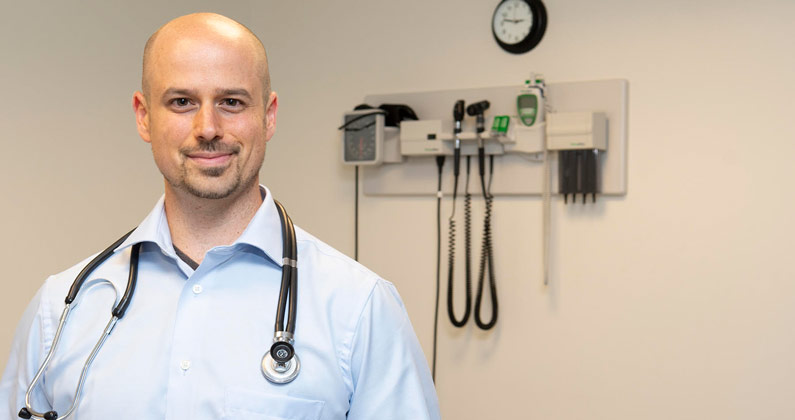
[
  {"x": 318, "y": 258},
  {"x": 57, "y": 286},
  {"x": 342, "y": 286}
]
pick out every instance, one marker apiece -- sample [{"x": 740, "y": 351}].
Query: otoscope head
[
  {"x": 477, "y": 108},
  {"x": 458, "y": 110}
]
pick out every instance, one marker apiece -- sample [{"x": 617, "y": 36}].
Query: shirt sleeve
[
  {"x": 27, "y": 351},
  {"x": 391, "y": 379}
]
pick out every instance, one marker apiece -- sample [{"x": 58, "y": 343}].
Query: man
[{"x": 192, "y": 340}]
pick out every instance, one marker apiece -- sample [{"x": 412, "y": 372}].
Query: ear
[
  {"x": 270, "y": 115},
  {"x": 141, "y": 115}
]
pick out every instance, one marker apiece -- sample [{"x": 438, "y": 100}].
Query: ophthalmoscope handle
[
  {"x": 458, "y": 111},
  {"x": 458, "y": 117}
]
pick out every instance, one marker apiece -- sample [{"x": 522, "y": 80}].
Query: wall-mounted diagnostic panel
[
  {"x": 521, "y": 123},
  {"x": 533, "y": 139}
]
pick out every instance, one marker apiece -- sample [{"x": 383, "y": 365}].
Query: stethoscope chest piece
[{"x": 280, "y": 372}]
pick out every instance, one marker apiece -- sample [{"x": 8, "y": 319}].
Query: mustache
[{"x": 211, "y": 147}]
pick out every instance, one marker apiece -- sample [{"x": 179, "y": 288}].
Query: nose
[{"x": 207, "y": 124}]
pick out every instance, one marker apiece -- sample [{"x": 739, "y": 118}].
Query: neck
[{"x": 199, "y": 224}]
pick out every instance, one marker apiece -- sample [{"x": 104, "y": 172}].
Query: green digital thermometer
[{"x": 527, "y": 106}]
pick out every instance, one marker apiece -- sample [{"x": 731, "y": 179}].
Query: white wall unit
[{"x": 514, "y": 174}]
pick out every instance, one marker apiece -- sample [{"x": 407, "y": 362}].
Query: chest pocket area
[{"x": 244, "y": 404}]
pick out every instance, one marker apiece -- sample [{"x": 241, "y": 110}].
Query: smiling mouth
[{"x": 210, "y": 159}]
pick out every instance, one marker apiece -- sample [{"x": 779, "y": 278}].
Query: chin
[{"x": 212, "y": 189}]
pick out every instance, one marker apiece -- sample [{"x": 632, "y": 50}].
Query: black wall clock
[{"x": 519, "y": 25}]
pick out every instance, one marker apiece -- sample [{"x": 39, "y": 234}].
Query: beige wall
[{"x": 675, "y": 301}]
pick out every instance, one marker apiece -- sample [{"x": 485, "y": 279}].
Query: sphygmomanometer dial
[
  {"x": 519, "y": 25},
  {"x": 363, "y": 137}
]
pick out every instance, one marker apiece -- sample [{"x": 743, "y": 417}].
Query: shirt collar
[{"x": 263, "y": 231}]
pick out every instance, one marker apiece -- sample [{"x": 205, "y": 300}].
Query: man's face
[{"x": 206, "y": 115}]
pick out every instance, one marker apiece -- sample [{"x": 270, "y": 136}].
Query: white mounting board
[{"x": 514, "y": 174}]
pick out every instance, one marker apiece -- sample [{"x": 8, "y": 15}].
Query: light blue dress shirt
[{"x": 191, "y": 342}]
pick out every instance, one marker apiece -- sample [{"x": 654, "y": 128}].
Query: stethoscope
[{"x": 280, "y": 365}]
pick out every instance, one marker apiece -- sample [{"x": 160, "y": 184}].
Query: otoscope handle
[{"x": 456, "y": 162}]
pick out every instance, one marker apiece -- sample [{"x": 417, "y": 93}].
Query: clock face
[
  {"x": 513, "y": 21},
  {"x": 519, "y": 25}
]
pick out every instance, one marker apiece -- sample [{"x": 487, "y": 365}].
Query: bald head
[{"x": 208, "y": 28}]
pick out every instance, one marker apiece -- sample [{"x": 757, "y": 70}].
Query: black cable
[
  {"x": 451, "y": 258},
  {"x": 356, "y": 215},
  {"x": 357, "y": 118},
  {"x": 468, "y": 243},
  {"x": 440, "y": 165},
  {"x": 487, "y": 252}
]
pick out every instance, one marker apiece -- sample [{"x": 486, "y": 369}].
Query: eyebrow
[
  {"x": 218, "y": 92},
  {"x": 178, "y": 92},
  {"x": 233, "y": 92}
]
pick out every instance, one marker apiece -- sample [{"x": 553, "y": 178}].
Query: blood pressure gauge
[{"x": 363, "y": 137}]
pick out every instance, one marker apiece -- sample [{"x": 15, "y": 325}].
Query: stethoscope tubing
[
  {"x": 289, "y": 287},
  {"x": 289, "y": 274},
  {"x": 118, "y": 312}
]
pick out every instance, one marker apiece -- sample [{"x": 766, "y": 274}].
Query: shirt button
[
  {"x": 185, "y": 365},
  {"x": 197, "y": 288}
]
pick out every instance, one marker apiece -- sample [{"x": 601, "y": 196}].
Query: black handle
[{"x": 458, "y": 110}]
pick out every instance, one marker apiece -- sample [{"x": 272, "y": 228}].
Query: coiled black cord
[
  {"x": 487, "y": 254},
  {"x": 451, "y": 264},
  {"x": 468, "y": 243}
]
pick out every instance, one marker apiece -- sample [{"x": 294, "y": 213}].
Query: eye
[
  {"x": 180, "y": 102},
  {"x": 232, "y": 102}
]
